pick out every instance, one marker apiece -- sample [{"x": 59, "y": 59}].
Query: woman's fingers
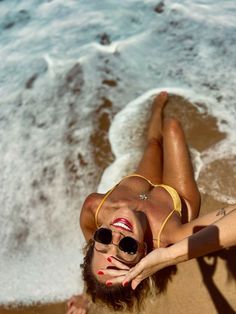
[
  {"x": 72, "y": 301},
  {"x": 149, "y": 265},
  {"x": 134, "y": 272},
  {"x": 72, "y": 310},
  {"x": 78, "y": 304},
  {"x": 117, "y": 263},
  {"x": 75, "y": 310},
  {"x": 117, "y": 270},
  {"x": 113, "y": 272},
  {"x": 136, "y": 277},
  {"x": 121, "y": 280},
  {"x": 135, "y": 283},
  {"x": 115, "y": 281}
]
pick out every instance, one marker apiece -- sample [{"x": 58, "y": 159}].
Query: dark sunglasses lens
[
  {"x": 103, "y": 235},
  {"x": 128, "y": 245}
]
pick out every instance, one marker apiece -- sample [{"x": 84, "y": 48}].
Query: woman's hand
[
  {"x": 147, "y": 266},
  {"x": 78, "y": 304},
  {"x": 117, "y": 271}
]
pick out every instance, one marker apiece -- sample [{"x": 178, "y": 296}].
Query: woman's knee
[
  {"x": 154, "y": 142},
  {"x": 172, "y": 125}
]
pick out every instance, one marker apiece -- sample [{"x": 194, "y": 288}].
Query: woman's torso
[{"x": 137, "y": 194}]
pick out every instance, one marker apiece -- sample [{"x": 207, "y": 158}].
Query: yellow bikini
[{"x": 172, "y": 192}]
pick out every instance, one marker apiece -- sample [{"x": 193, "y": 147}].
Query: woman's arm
[
  {"x": 216, "y": 236},
  {"x": 220, "y": 234},
  {"x": 201, "y": 222}
]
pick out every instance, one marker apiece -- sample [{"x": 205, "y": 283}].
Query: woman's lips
[{"x": 123, "y": 224}]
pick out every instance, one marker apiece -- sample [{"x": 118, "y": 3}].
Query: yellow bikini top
[{"x": 172, "y": 192}]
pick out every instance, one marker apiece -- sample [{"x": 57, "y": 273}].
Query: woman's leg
[
  {"x": 150, "y": 165},
  {"x": 177, "y": 166}
]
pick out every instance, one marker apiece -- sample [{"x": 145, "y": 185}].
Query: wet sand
[
  {"x": 36, "y": 309},
  {"x": 206, "y": 285}
]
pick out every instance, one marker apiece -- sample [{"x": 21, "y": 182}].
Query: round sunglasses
[{"x": 126, "y": 244}]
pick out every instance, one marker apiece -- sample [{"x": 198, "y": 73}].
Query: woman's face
[{"x": 122, "y": 223}]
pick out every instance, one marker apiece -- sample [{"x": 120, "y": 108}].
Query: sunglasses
[{"x": 126, "y": 244}]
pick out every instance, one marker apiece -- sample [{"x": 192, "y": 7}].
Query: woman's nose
[
  {"x": 116, "y": 237},
  {"x": 113, "y": 250}
]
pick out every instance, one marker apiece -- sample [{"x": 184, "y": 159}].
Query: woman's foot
[
  {"x": 78, "y": 304},
  {"x": 155, "y": 124}
]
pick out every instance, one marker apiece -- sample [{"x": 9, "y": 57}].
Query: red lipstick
[{"x": 123, "y": 224}]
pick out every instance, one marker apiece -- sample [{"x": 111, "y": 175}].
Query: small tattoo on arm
[{"x": 221, "y": 212}]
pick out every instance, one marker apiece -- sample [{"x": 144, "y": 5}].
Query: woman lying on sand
[
  {"x": 134, "y": 221},
  {"x": 217, "y": 235}
]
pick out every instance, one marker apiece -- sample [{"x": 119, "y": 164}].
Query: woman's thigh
[
  {"x": 151, "y": 164},
  {"x": 177, "y": 166}
]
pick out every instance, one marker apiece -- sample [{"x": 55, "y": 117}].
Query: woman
[{"x": 143, "y": 212}]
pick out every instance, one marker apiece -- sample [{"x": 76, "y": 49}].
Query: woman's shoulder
[
  {"x": 91, "y": 200},
  {"x": 87, "y": 214}
]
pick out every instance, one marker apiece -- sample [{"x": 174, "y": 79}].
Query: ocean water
[{"x": 71, "y": 71}]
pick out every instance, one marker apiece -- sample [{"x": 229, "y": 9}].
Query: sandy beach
[
  {"x": 40, "y": 309},
  {"x": 206, "y": 285}
]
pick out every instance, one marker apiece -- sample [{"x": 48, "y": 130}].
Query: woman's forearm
[
  {"x": 195, "y": 225},
  {"x": 220, "y": 234}
]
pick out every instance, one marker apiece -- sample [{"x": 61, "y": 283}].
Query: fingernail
[
  {"x": 109, "y": 259},
  {"x": 109, "y": 283},
  {"x": 125, "y": 284},
  {"x": 100, "y": 272}
]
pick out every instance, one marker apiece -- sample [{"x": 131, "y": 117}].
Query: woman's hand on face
[
  {"x": 147, "y": 266},
  {"x": 118, "y": 273}
]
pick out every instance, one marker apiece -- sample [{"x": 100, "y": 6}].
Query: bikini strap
[
  {"x": 101, "y": 203},
  {"x": 177, "y": 208},
  {"x": 162, "y": 227}
]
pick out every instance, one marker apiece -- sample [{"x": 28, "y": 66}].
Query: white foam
[{"x": 207, "y": 11}]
